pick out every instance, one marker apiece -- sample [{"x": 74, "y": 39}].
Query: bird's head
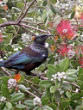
[{"x": 40, "y": 39}]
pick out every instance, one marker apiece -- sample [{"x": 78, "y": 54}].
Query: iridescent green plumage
[{"x": 28, "y": 58}]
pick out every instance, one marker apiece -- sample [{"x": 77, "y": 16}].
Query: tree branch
[
  {"x": 8, "y": 23},
  {"x": 9, "y": 74},
  {"x": 19, "y": 19},
  {"x": 18, "y": 22},
  {"x": 26, "y": 10},
  {"x": 22, "y": 25},
  {"x": 31, "y": 27}
]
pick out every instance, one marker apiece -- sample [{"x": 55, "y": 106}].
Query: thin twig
[
  {"x": 28, "y": 81},
  {"x": 22, "y": 12},
  {"x": 21, "y": 17},
  {"x": 38, "y": 75},
  {"x": 29, "y": 32},
  {"x": 21, "y": 24},
  {"x": 27, "y": 91},
  {"x": 8, "y": 23},
  {"x": 9, "y": 74},
  {"x": 73, "y": 84},
  {"x": 15, "y": 35},
  {"x": 36, "y": 90},
  {"x": 31, "y": 27}
]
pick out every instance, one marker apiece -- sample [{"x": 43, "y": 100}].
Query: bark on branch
[
  {"x": 18, "y": 22},
  {"x": 8, "y": 23}
]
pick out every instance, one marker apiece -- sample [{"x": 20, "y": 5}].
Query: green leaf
[
  {"x": 63, "y": 66},
  {"x": 9, "y": 105},
  {"x": 22, "y": 87},
  {"x": 4, "y": 86},
  {"x": 64, "y": 103},
  {"x": 52, "y": 9},
  {"x": 1, "y": 20},
  {"x": 72, "y": 14},
  {"x": 53, "y": 1},
  {"x": 47, "y": 108},
  {"x": 80, "y": 74},
  {"x": 45, "y": 99},
  {"x": 71, "y": 74},
  {"x": 53, "y": 105},
  {"x": 5, "y": 108},
  {"x": 37, "y": 108},
  {"x": 17, "y": 96},
  {"x": 77, "y": 96},
  {"x": 80, "y": 83},
  {"x": 51, "y": 70},
  {"x": 29, "y": 103},
  {"x": 68, "y": 94},
  {"x": 45, "y": 83},
  {"x": 20, "y": 4},
  {"x": 20, "y": 106},
  {"x": 52, "y": 89},
  {"x": 5, "y": 79},
  {"x": 45, "y": 3}
]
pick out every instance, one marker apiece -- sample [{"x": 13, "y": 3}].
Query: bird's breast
[{"x": 40, "y": 50}]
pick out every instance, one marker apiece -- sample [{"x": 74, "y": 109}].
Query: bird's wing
[{"x": 23, "y": 57}]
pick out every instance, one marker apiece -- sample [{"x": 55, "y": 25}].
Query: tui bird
[{"x": 30, "y": 57}]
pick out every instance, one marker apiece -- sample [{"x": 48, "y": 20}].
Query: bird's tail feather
[{"x": 1, "y": 63}]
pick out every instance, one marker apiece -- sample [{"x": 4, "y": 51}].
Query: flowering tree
[{"x": 60, "y": 86}]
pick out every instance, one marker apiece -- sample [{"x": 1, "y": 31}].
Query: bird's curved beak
[{"x": 33, "y": 38}]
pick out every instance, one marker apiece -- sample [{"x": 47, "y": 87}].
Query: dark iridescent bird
[{"x": 30, "y": 57}]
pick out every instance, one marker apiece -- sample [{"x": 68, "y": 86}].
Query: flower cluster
[
  {"x": 58, "y": 76},
  {"x": 66, "y": 50},
  {"x": 63, "y": 49},
  {"x": 79, "y": 50},
  {"x": 2, "y": 99},
  {"x": 12, "y": 83},
  {"x": 71, "y": 54},
  {"x": 26, "y": 37},
  {"x": 37, "y": 101},
  {"x": 66, "y": 6},
  {"x": 65, "y": 29}
]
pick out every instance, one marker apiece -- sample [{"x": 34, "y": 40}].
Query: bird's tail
[{"x": 1, "y": 63}]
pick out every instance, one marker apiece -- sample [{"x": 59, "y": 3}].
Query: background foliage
[{"x": 62, "y": 88}]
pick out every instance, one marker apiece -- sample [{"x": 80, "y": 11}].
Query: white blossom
[
  {"x": 11, "y": 83},
  {"x": 58, "y": 76},
  {"x": 66, "y": 6},
  {"x": 37, "y": 101},
  {"x": 26, "y": 37},
  {"x": 16, "y": 49},
  {"x": 77, "y": 90},
  {"x": 71, "y": 54},
  {"x": 2, "y": 99}
]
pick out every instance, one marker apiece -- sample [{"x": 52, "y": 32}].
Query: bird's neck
[
  {"x": 39, "y": 44},
  {"x": 38, "y": 47}
]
